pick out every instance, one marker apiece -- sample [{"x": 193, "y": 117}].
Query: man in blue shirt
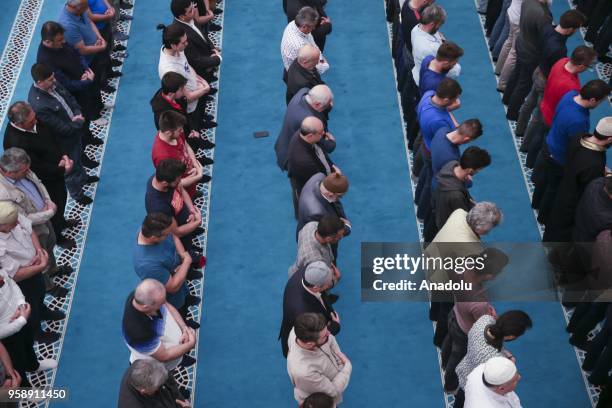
[
  {"x": 434, "y": 112},
  {"x": 446, "y": 142},
  {"x": 571, "y": 120},
  {"x": 434, "y": 70},
  {"x": 159, "y": 255},
  {"x": 82, "y": 34}
]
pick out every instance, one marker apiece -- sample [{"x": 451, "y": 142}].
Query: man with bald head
[
  {"x": 305, "y": 157},
  {"x": 303, "y": 71},
  {"x": 316, "y": 102},
  {"x": 154, "y": 329}
]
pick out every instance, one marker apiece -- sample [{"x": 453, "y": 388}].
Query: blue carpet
[
  {"x": 251, "y": 232},
  {"x": 7, "y": 17},
  {"x": 93, "y": 348}
]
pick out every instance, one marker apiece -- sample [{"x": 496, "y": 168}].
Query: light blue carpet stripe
[{"x": 251, "y": 237}]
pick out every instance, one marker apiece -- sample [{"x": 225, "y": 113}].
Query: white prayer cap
[
  {"x": 499, "y": 370},
  {"x": 604, "y": 126}
]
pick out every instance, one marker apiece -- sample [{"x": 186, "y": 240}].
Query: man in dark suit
[
  {"x": 61, "y": 113},
  {"x": 304, "y": 294},
  {"x": 49, "y": 161},
  {"x": 324, "y": 27},
  {"x": 305, "y": 158},
  {"x": 200, "y": 52},
  {"x": 316, "y": 102},
  {"x": 302, "y": 72},
  {"x": 71, "y": 71},
  {"x": 170, "y": 97}
]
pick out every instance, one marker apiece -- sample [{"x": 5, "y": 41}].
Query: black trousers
[
  {"x": 58, "y": 193},
  {"x": 547, "y": 176},
  {"x": 438, "y": 312},
  {"x": 601, "y": 11},
  {"x": 320, "y": 34},
  {"x": 20, "y": 347},
  {"x": 599, "y": 353},
  {"x": 90, "y": 101},
  {"x": 519, "y": 84},
  {"x": 584, "y": 319},
  {"x": 454, "y": 349},
  {"x": 33, "y": 290}
]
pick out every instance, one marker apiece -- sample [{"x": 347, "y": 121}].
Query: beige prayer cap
[
  {"x": 604, "y": 127},
  {"x": 8, "y": 212}
]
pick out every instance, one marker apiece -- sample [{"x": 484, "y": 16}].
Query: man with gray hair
[
  {"x": 324, "y": 25},
  {"x": 460, "y": 236},
  {"x": 19, "y": 185},
  {"x": 304, "y": 294},
  {"x": 302, "y": 72},
  {"x": 316, "y": 102},
  {"x": 299, "y": 33},
  {"x": 154, "y": 329},
  {"x": 50, "y": 161},
  {"x": 146, "y": 383},
  {"x": 426, "y": 39}
]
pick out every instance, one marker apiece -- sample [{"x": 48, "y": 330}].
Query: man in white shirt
[
  {"x": 297, "y": 34},
  {"x": 492, "y": 385},
  {"x": 426, "y": 39},
  {"x": 172, "y": 59},
  {"x": 15, "y": 312},
  {"x": 315, "y": 362},
  {"x": 23, "y": 260}
]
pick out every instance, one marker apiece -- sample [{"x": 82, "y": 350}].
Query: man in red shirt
[
  {"x": 563, "y": 78},
  {"x": 170, "y": 144}
]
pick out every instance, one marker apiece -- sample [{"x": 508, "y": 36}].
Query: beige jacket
[
  {"x": 8, "y": 192},
  {"x": 464, "y": 241},
  {"x": 319, "y": 370}
]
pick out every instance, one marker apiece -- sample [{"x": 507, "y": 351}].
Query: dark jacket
[
  {"x": 164, "y": 397},
  {"x": 303, "y": 162},
  {"x": 594, "y": 212},
  {"x": 297, "y": 300},
  {"x": 43, "y": 148},
  {"x": 409, "y": 21},
  {"x": 199, "y": 51},
  {"x": 299, "y": 77},
  {"x": 313, "y": 206},
  {"x": 53, "y": 114},
  {"x": 450, "y": 195},
  {"x": 536, "y": 18},
  {"x": 554, "y": 48},
  {"x": 160, "y": 105},
  {"x": 585, "y": 163},
  {"x": 67, "y": 64},
  {"x": 297, "y": 110}
]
